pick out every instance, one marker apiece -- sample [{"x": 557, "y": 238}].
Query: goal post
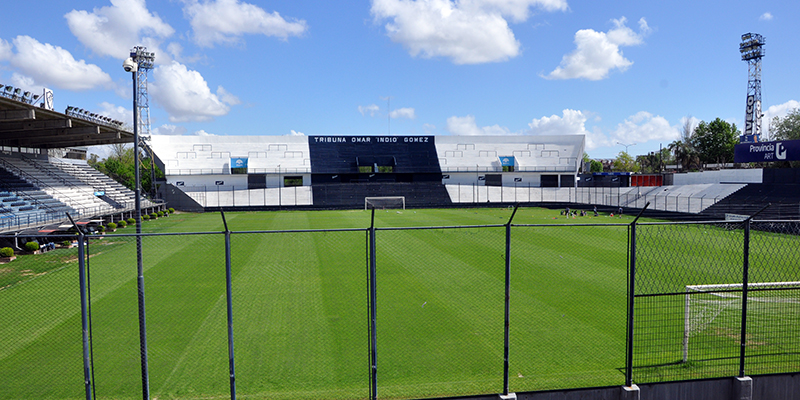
[
  {"x": 720, "y": 305},
  {"x": 385, "y": 202}
]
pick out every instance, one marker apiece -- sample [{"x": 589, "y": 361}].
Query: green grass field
[{"x": 300, "y": 307}]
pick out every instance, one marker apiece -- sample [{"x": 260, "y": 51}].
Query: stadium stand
[
  {"x": 783, "y": 201},
  {"x": 23, "y": 204},
  {"x": 38, "y": 191}
]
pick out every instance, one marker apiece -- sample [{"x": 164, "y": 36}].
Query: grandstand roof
[{"x": 26, "y": 125}]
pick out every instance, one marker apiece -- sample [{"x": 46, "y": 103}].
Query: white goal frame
[
  {"x": 401, "y": 199},
  {"x": 724, "y": 291}
]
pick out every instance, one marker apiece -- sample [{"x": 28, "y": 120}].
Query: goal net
[
  {"x": 386, "y": 202},
  {"x": 716, "y": 310}
]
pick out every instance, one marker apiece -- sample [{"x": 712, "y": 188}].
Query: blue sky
[{"x": 617, "y": 71}]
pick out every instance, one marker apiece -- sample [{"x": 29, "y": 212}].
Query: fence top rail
[
  {"x": 410, "y": 228},
  {"x": 709, "y": 222},
  {"x": 566, "y": 225},
  {"x": 304, "y": 230}
]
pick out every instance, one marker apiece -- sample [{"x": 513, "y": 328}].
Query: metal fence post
[
  {"x": 507, "y": 300},
  {"x": 87, "y": 381},
  {"x": 631, "y": 292},
  {"x": 373, "y": 359},
  {"x": 745, "y": 281},
  {"x": 229, "y": 296},
  {"x": 745, "y": 278}
]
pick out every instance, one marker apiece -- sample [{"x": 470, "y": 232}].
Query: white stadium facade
[{"x": 341, "y": 171}]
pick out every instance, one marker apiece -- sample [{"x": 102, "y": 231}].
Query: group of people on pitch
[{"x": 584, "y": 213}]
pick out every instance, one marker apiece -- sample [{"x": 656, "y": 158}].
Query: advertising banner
[
  {"x": 238, "y": 162},
  {"x": 782, "y": 150}
]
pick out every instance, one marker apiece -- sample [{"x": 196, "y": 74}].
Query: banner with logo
[
  {"x": 779, "y": 150},
  {"x": 238, "y": 162},
  {"x": 507, "y": 161}
]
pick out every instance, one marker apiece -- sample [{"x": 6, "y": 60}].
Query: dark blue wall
[{"x": 344, "y": 154}]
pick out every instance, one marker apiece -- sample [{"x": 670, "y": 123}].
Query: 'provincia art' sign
[{"x": 782, "y": 150}]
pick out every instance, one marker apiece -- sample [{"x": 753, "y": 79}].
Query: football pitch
[{"x": 300, "y": 307}]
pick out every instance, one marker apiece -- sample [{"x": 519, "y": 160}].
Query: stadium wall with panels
[{"x": 340, "y": 171}]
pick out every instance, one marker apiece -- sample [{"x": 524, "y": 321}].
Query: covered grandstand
[{"x": 39, "y": 181}]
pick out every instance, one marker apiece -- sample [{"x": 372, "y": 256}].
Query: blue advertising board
[
  {"x": 779, "y": 150},
  {"x": 507, "y": 161},
  {"x": 238, "y": 162}
]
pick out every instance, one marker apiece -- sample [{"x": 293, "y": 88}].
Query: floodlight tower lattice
[
  {"x": 145, "y": 61},
  {"x": 752, "y": 50}
]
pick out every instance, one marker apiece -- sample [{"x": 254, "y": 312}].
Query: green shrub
[
  {"x": 153, "y": 215},
  {"x": 112, "y": 226},
  {"x": 131, "y": 221},
  {"x": 171, "y": 210},
  {"x": 32, "y": 246},
  {"x": 101, "y": 228},
  {"x": 122, "y": 224},
  {"x": 145, "y": 217},
  {"x": 6, "y": 252},
  {"x": 66, "y": 243},
  {"x": 160, "y": 213}
]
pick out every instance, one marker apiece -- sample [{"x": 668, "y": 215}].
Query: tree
[
  {"x": 120, "y": 167},
  {"x": 685, "y": 155},
  {"x": 714, "y": 141},
  {"x": 625, "y": 163},
  {"x": 596, "y": 166},
  {"x": 788, "y": 127}
]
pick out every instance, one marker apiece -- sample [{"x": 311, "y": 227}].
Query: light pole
[
  {"x": 626, "y": 146},
  {"x": 139, "y": 60}
]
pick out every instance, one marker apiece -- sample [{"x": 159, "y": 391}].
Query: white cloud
[
  {"x": 403, "y": 113},
  {"x": 467, "y": 126},
  {"x": 114, "y": 29},
  {"x": 571, "y": 122},
  {"x": 296, "y": 133},
  {"x": 644, "y": 126},
  {"x": 118, "y": 113},
  {"x": 227, "y": 97},
  {"x": 26, "y": 83},
  {"x": 780, "y": 110},
  {"x": 767, "y": 16},
  {"x": 35, "y": 60},
  {"x": 597, "y": 53},
  {"x": 169, "y": 129},
  {"x": 226, "y": 21},
  {"x": 202, "y": 133},
  {"x": 429, "y": 128},
  {"x": 371, "y": 109},
  {"x": 185, "y": 95},
  {"x": 5, "y": 50},
  {"x": 465, "y": 31}
]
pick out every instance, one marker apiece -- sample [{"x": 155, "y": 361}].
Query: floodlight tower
[
  {"x": 138, "y": 64},
  {"x": 752, "y": 49},
  {"x": 144, "y": 61}
]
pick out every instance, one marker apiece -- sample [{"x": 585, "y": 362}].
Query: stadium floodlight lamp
[
  {"x": 17, "y": 91},
  {"x": 9, "y": 89},
  {"x": 36, "y": 97}
]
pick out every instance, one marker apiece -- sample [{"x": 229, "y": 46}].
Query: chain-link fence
[
  {"x": 399, "y": 312},
  {"x": 715, "y": 300}
]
